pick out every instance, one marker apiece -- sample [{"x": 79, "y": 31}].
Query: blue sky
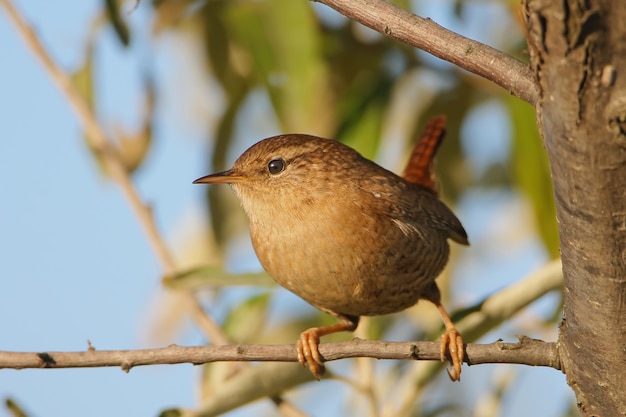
[{"x": 75, "y": 263}]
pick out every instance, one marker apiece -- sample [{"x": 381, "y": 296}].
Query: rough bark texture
[{"x": 578, "y": 50}]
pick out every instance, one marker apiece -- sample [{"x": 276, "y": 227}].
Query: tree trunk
[{"x": 578, "y": 52}]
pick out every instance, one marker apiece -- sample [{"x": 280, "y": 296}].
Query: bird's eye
[{"x": 276, "y": 166}]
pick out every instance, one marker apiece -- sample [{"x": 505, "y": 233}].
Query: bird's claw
[
  {"x": 452, "y": 341},
  {"x": 308, "y": 352}
]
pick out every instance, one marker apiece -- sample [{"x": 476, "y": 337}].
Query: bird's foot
[
  {"x": 452, "y": 340},
  {"x": 308, "y": 352}
]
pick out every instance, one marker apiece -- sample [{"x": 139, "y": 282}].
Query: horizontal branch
[
  {"x": 385, "y": 17},
  {"x": 526, "y": 351}
]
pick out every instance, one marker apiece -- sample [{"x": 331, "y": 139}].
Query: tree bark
[{"x": 578, "y": 52}]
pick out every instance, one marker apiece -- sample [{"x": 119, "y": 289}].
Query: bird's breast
[{"x": 343, "y": 259}]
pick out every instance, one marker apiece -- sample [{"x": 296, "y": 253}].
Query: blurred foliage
[
  {"x": 246, "y": 322},
  {"x": 118, "y": 21},
  {"x": 214, "y": 276},
  {"x": 323, "y": 74},
  {"x": 531, "y": 171},
  {"x": 14, "y": 408},
  {"x": 133, "y": 145}
]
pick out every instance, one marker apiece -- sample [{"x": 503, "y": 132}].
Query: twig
[
  {"x": 385, "y": 17},
  {"x": 526, "y": 351}
]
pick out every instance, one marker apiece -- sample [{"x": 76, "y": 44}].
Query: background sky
[{"x": 76, "y": 265}]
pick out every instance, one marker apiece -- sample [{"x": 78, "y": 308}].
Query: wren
[{"x": 348, "y": 236}]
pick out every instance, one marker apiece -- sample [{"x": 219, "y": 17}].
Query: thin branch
[
  {"x": 526, "y": 351},
  {"x": 275, "y": 377},
  {"x": 390, "y": 20}
]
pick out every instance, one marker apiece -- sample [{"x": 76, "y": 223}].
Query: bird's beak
[{"x": 224, "y": 177}]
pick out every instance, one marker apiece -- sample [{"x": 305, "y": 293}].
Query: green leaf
[
  {"x": 134, "y": 146},
  {"x": 14, "y": 408},
  {"x": 532, "y": 172},
  {"x": 171, "y": 412},
  {"x": 291, "y": 68},
  {"x": 364, "y": 110},
  {"x": 227, "y": 217},
  {"x": 246, "y": 322},
  {"x": 214, "y": 276},
  {"x": 83, "y": 76},
  {"x": 172, "y": 14},
  {"x": 455, "y": 104},
  {"x": 117, "y": 20},
  {"x": 83, "y": 79}
]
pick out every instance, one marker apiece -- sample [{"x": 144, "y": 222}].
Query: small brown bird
[{"x": 348, "y": 236}]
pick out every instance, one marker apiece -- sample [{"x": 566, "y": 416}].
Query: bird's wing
[{"x": 410, "y": 206}]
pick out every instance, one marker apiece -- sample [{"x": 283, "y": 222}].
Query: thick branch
[
  {"x": 578, "y": 51},
  {"x": 478, "y": 58},
  {"x": 526, "y": 352}
]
